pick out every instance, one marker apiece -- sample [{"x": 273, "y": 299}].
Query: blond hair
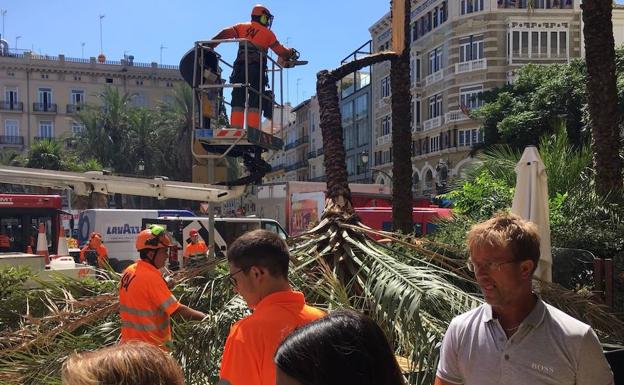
[
  {"x": 508, "y": 231},
  {"x": 132, "y": 363}
]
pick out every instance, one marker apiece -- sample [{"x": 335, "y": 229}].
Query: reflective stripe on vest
[{"x": 145, "y": 327}]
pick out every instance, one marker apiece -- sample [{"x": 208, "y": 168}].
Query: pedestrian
[
  {"x": 258, "y": 264},
  {"x": 132, "y": 363},
  {"x": 145, "y": 302},
  {"x": 515, "y": 337},
  {"x": 258, "y": 32},
  {"x": 94, "y": 247},
  {"x": 345, "y": 347},
  {"x": 195, "y": 248}
]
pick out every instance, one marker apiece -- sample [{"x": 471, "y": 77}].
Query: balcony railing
[
  {"x": 277, "y": 167},
  {"x": 455, "y": 116},
  {"x": 384, "y": 139},
  {"x": 473, "y": 65},
  {"x": 321, "y": 178},
  {"x": 43, "y": 107},
  {"x": 298, "y": 165},
  {"x": 319, "y": 152},
  {"x": 302, "y": 140},
  {"x": 416, "y": 128},
  {"x": 432, "y": 123},
  {"x": 39, "y": 138},
  {"x": 311, "y": 154},
  {"x": 10, "y": 139},
  {"x": 11, "y": 106},
  {"x": 434, "y": 77},
  {"x": 73, "y": 108}
]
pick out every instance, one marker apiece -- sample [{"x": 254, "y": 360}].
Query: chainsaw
[{"x": 293, "y": 60}]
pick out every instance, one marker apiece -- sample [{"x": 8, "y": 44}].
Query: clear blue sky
[{"x": 324, "y": 31}]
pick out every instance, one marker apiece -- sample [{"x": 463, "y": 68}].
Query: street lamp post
[
  {"x": 364, "y": 159},
  {"x": 16, "y": 39}
]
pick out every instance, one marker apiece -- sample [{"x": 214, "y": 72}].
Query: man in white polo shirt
[{"x": 516, "y": 338}]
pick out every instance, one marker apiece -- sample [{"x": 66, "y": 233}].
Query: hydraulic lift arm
[{"x": 95, "y": 181}]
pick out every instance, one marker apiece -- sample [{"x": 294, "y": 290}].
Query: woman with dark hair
[{"x": 342, "y": 348}]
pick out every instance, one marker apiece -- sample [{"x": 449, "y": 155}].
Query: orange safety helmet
[
  {"x": 262, "y": 15},
  {"x": 155, "y": 237}
]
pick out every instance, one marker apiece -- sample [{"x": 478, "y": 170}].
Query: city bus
[{"x": 20, "y": 216}]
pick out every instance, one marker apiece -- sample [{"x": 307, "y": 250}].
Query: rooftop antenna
[
  {"x": 161, "y": 49},
  {"x": 101, "y": 57},
  {"x": 3, "y": 13},
  {"x": 82, "y": 44}
]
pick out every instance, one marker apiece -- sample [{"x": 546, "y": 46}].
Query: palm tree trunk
[
  {"x": 602, "y": 94},
  {"x": 338, "y": 192},
  {"x": 402, "y": 133}
]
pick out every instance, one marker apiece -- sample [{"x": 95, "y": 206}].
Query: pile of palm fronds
[{"x": 413, "y": 288}]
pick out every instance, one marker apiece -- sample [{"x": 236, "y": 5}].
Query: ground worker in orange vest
[
  {"x": 258, "y": 264},
  {"x": 259, "y": 33},
  {"x": 95, "y": 245},
  {"x": 195, "y": 248},
  {"x": 145, "y": 302}
]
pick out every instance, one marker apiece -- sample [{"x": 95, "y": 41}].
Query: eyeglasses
[
  {"x": 231, "y": 278},
  {"x": 487, "y": 267}
]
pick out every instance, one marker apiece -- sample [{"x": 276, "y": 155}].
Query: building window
[
  {"x": 10, "y": 95},
  {"x": 417, "y": 118},
  {"x": 45, "y": 76},
  {"x": 537, "y": 4},
  {"x": 139, "y": 100},
  {"x": 435, "y": 60},
  {"x": 435, "y": 106},
  {"x": 470, "y": 48},
  {"x": 385, "y": 87},
  {"x": 386, "y": 125},
  {"x": 45, "y": 97},
  {"x": 77, "y": 128},
  {"x": 469, "y": 137},
  {"x": 77, "y": 97},
  {"x": 536, "y": 44},
  {"x": 470, "y": 6},
  {"x": 139, "y": 82},
  {"x": 470, "y": 97},
  {"x": 11, "y": 127},
  {"x": 434, "y": 143},
  {"x": 46, "y": 129},
  {"x": 109, "y": 80},
  {"x": 77, "y": 78}
]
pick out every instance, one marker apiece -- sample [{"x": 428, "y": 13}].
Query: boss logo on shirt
[{"x": 542, "y": 368}]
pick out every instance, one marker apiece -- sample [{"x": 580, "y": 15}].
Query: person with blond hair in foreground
[
  {"x": 131, "y": 363},
  {"x": 515, "y": 337}
]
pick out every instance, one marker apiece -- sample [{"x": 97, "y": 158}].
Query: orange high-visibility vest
[
  {"x": 102, "y": 254},
  {"x": 260, "y": 36},
  {"x": 145, "y": 305},
  {"x": 195, "y": 248},
  {"x": 249, "y": 349}
]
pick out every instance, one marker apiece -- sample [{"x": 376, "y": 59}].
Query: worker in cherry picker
[{"x": 257, "y": 31}]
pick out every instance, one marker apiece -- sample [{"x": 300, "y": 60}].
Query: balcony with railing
[
  {"x": 40, "y": 138},
  {"x": 304, "y": 139},
  {"x": 298, "y": 165},
  {"x": 74, "y": 108},
  {"x": 319, "y": 152},
  {"x": 384, "y": 139},
  {"x": 432, "y": 123},
  {"x": 9, "y": 106},
  {"x": 416, "y": 128},
  {"x": 321, "y": 178},
  {"x": 434, "y": 77},
  {"x": 12, "y": 139},
  {"x": 312, "y": 154},
  {"x": 472, "y": 65},
  {"x": 455, "y": 116},
  {"x": 45, "y": 107}
]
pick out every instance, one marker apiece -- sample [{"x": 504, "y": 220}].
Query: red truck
[{"x": 424, "y": 218}]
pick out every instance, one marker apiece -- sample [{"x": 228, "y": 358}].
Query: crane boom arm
[{"x": 95, "y": 181}]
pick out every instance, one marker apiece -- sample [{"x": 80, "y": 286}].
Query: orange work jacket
[
  {"x": 145, "y": 305},
  {"x": 252, "y": 342},
  {"x": 102, "y": 254}
]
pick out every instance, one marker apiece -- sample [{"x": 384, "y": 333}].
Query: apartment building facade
[
  {"x": 460, "y": 48},
  {"x": 41, "y": 94}
]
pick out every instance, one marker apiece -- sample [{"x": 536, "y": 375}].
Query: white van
[
  {"x": 119, "y": 228},
  {"x": 226, "y": 230}
]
